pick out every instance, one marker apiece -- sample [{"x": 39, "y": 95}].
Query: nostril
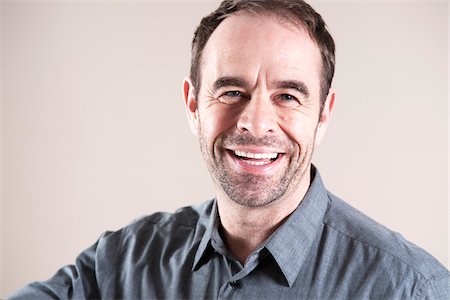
[{"x": 242, "y": 129}]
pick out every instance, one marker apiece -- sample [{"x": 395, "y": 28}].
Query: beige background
[{"x": 93, "y": 132}]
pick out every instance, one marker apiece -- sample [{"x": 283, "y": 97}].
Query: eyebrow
[
  {"x": 228, "y": 81},
  {"x": 295, "y": 85}
]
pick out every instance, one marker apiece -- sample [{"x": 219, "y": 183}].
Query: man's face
[{"x": 258, "y": 108}]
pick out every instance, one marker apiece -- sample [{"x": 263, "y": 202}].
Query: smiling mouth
[{"x": 256, "y": 159}]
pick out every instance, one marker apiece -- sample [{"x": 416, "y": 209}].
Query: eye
[
  {"x": 287, "y": 97},
  {"x": 231, "y": 97},
  {"x": 233, "y": 94},
  {"x": 287, "y": 100}
]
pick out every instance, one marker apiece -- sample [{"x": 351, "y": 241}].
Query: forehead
[{"x": 250, "y": 45}]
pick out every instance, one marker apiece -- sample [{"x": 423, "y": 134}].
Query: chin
[{"x": 254, "y": 199}]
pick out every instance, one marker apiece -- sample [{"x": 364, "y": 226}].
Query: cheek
[
  {"x": 215, "y": 120},
  {"x": 298, "y": 126}
]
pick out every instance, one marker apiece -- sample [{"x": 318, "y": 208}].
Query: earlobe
[
  {"x": 325, "y": 116},
  {"x": 191, "y": 106}
]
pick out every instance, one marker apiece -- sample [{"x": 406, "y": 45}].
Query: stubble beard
[{"x": 251, "y": 190}]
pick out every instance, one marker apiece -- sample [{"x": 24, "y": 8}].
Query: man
[{"x": 259, "y": 98}]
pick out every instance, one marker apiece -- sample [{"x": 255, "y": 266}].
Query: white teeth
[
  {"x": 257, "y": 163},
  {"x": 256, "y": 155}
]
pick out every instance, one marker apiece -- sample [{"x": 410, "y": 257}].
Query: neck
[{"x": 245, "y": 228}]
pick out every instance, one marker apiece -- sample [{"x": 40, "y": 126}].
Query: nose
[{"x": 257, "y": 117}]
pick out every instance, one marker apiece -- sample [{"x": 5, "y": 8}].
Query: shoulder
[
  {"x": 354, "y": 226},
  {"x": 187, "y": 217},
  {"x": 157, "y": 229}
]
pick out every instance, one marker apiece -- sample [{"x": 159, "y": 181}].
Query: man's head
[
  {"x": 258, "y": 106},
  {"x": 295, "y": 11}
]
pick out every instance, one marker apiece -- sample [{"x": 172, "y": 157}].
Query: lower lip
[{"x": 266, "y": 169}]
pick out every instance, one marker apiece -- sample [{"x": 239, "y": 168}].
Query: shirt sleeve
[
  {"x": 438, "y": 289},
  {"x": 78, "y": 281}
]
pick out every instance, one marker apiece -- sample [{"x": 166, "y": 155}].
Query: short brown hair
[{"x": 296, "y": 11}]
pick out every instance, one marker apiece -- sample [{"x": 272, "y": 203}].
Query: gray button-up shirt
[{"x": 324, "y": 250}]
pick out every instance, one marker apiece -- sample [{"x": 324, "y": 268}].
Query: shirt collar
[
  {"x": 205, "y": 242},
  {"x": 290, "y": 243}
]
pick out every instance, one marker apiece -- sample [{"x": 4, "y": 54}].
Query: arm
[
  {"x": 438, "y": 288},
  {"x": 79, "y": 281}
]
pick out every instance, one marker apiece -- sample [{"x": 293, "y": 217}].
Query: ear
[
  {"x": 191, "y": 105},
  {"x": 325, "y": 116}
]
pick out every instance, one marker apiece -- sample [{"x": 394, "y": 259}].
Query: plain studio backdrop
[{"x": 94, "y": 133}]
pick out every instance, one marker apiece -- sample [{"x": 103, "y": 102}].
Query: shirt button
[{"x": 234, "y": 283}]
